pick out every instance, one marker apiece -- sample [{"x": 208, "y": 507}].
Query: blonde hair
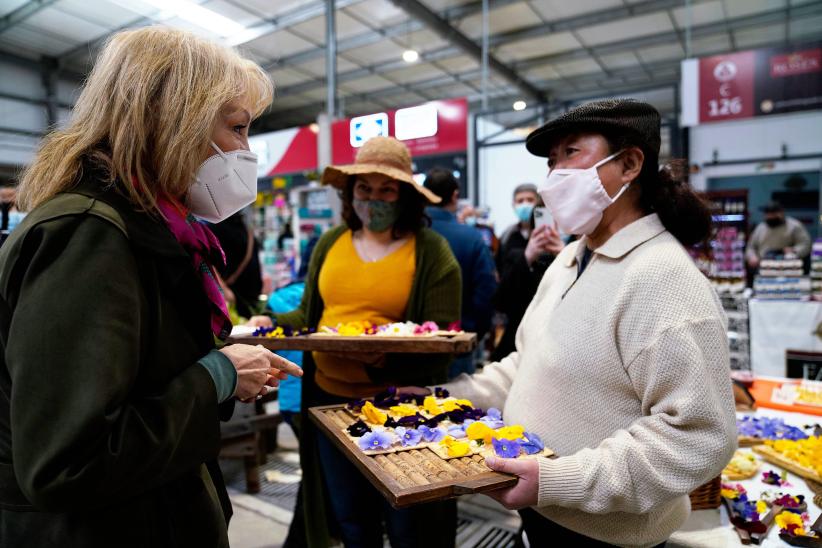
[{"x": 146, "y": 113}]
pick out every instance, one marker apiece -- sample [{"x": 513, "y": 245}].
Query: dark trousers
[
  {"x": 361, "y": 510},
  {"x": 544, "y": 532}
]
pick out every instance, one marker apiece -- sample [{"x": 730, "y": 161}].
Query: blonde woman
[{"x": 110, "y": 382}]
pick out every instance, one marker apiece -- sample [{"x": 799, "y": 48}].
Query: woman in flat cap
[
  {"x": 383, "y": 265},
  {"x": 621, "y": 362}
]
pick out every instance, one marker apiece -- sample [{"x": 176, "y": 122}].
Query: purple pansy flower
[
  {"x": 440, "y": 392},
  {"x": 431, "y": 434},
  {"x": 376, "y": 440},
  {"x": 507, "y": 449},
  {"x": 532, "y": 443},
  {"x": 408, "y": 436},
  {"x": 493, "y": 418},
  {"x": 456, "y": 431},
  {"x": 358, "y": 429}
]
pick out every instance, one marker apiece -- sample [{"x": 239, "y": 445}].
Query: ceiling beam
[
  {"x": 23, "y": 12},
  {"x": 444, "y": 28}
]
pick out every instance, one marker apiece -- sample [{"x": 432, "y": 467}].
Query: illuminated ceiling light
[
  {"x": 198, "y": 15},
  {"x": 519, "y": 105},
  {"x": 410, "y": 56}
]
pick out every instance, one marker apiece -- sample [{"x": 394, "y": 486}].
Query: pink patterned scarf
[{"x": 204, "y": 248}]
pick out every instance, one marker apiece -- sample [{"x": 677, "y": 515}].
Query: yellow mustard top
[{"x": 356, "y": 290}]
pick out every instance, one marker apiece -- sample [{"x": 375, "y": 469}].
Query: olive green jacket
[
  {"x": 435, "y": 296},
  {"x": 106, "y": 419}
]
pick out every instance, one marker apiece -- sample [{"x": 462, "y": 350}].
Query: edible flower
[
  {"x": 456, "y": 448},
  {"x": 493, "y": 418},
  {"x": 408, "y": 436},
  {"x": 789, "y": 502},
  {"x": 785, "y": 519},
  {"x": 403, "y": 410},
  {"x": 373, "y": 415},
  {"x": 373, "y": 441},
  {"x": 431, "y": 434},
  {"x": 761, "y": 506},
  {"x": 358, "y": 429},
  {"x": 441, "y": 392},
  {"x": 507, "y": 449},
  {"x": 479, "y": 431},
  {"x": 772, "y": 478},
  {"x": 456, "y": 431},
  {"x": 430, "y": 405},
  {"x": 514, "y": 432},
  {"x": 532, "y": 444},
  {"x": 426, "y": 327}
]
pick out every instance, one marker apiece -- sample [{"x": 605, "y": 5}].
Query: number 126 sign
[{"x": 726, "y": 87}]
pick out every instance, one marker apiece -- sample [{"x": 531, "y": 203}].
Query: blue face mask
[
  {"x": 377, "y": 215},
  {"x": 524, "y": 211},
  {"x": 471, "y": 221}
]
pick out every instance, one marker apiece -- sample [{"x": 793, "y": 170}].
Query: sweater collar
[{"x": 624, "y": 241}]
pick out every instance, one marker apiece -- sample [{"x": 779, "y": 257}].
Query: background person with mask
[
  {"x": 479, "y": 278},
  {"x": 110, "y": 394},
  {"x": 525, "y": 253},
  {"x": 382, "y": 265},
  {"x": 778, "y": 235}
]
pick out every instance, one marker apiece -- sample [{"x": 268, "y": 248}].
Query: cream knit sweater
[{"x": 624, "y": 373}]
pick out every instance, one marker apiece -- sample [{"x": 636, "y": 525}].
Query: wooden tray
[
  {"x": 774, "y": 457},
  {"x": 453, "y": 344},
  {"x": 410, "y": 477}
]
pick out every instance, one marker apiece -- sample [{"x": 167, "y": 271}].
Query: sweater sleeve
[
  {"x": 82, "y": 433},
  {"x": 490, "y": 387},
  {"x": 686, "y": 436},
  {"x": 753, "y": 251},
  {"x": 801, "y": 241}
]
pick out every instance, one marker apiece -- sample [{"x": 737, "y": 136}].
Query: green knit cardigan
[{"x": 436, "y": 295}]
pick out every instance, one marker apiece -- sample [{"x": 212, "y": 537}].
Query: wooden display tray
[
  {"x": 460, "y": 343},
  {"x": 411, "y": 476},
  {"x": 774, "y": 457}
]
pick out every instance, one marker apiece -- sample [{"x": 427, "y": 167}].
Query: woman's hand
[
  {"x": 260, "y": 321},
  {"x": 526, "y": 491},
  {"x": 257, "y": 369}
]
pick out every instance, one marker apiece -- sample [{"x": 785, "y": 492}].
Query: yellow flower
[
  {"x": 450, "y": 405},
  {"x": 788, "y": 518},
  {"x": 514, "y": 432},
  {"x": 458, "y": 449},
  {"x": 729, "y": 493},
  {"x": 353, "y": 329},
  {"x": 373, "y": 415},
  {"x": 479, "y": 431},
  {"x": 807, "y": 452},
  {"x": 761, "y": 507},
  {"x": 402, "y": 410},
  {"x": 430, "y": 405}
]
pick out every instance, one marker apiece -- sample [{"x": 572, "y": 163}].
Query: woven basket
[{"x": 707, "y": 496}]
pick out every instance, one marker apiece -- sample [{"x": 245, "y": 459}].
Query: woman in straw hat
[
  {"x": 383, "y": 265},
  {"x": 110, "y": 382}
]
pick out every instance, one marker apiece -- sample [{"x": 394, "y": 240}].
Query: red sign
[
  {"x": 800, "y": 62},
  {"x": 300, "y": 154},
  {"x": 726, "y": 87},
  {"x": 451, "y": 133}
]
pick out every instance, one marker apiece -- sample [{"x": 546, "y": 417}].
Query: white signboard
[
  {"x": 415, "y": 122},
  {"x": 363, "y": 128}
]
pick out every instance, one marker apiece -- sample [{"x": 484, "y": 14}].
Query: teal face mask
[
  {"x": 524, "y": 211},
  {"x": 377, "y": 215}
]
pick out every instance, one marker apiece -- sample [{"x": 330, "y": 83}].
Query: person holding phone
[{"x": 525, "y": 253}]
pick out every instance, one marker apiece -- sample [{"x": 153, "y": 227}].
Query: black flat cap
[{"x": 612, "y": 115}]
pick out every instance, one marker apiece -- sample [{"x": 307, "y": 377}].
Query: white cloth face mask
[
  {"x": 577, "y": 198},
  {"x": 223, "y": 185}
]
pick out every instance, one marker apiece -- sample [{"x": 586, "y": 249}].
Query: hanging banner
[
  {"x": 751, "y": 83},
  {"x": 437, "y": 127}
]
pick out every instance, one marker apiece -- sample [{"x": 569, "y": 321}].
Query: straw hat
[{"x": 383, "y": 155}]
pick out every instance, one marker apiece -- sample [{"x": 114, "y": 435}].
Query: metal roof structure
[{"x": 538, "y": 50}]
